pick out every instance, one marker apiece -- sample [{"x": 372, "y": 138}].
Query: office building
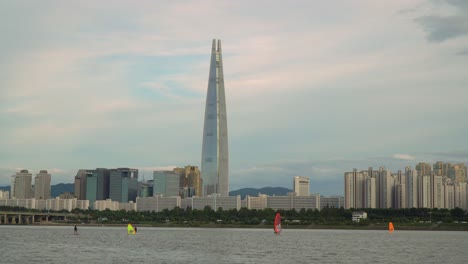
[
  {"x": 123, "y": 185},
  {"x": 301, "y": 186},
  {"x": 80, "y": 184},
  {"x": 215, "y": 157},
  {"x": 166, "y": 183},
  {"x": 190, "y": 181}
]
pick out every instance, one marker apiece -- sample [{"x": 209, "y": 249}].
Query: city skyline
[{"x": 312, "y": 90}]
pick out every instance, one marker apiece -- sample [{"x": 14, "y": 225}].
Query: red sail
[{"x": 277, "y": 225}]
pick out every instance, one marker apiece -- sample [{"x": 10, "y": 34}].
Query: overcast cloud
[{"x": 313, "y": 88}]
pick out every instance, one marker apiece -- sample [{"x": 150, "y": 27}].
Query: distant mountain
[
  {"x": 60, "y": 188},
  {"x": 278, "y": 191},
  {"x": 56, "y": 190}
]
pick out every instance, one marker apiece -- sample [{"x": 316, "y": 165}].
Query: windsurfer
[{"x": 76, "y": 230}]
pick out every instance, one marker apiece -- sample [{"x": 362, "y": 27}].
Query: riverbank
[{"x": 418, "y": 227}]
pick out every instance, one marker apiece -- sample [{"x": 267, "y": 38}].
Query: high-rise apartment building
[
  {"x": 301, "y": 186},
  {"x": 437, "y": 192},
  {"x": 370, "y": 200},
  {"x": 354, "y": 189},
  {"x": 424, "y": 191},
  {"x": 42, "y": 185},
  {"x": 458, "y": 172},
  {"x": 22, "y": 185},
  {"x": 215, "y": 158},
  {"x": 349, "y": 190},
  {"x": 423, "y": 169},
  {"x": 411, "y": 188},
  {"x": 387, "y": 188},
  {"x": 12, "y": 187}
]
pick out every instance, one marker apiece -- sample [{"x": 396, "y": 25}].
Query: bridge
[{"x": 19, "y": 218}]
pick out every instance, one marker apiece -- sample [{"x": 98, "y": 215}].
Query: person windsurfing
[{"x": 76, "y": 230}]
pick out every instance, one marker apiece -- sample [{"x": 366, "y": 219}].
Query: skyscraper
[
  {"x": 22, "y": 185},
  {"x": 123, "y": 185},
  {"x": 215, "y": 159},
  {"x": 166, "y": 183},
  {"x": 42, "y": 185}
]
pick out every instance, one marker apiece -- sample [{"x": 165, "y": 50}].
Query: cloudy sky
[{"x": 313, "y": 88}]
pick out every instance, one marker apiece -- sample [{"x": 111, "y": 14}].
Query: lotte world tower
[{"x": 215, "y": 158}]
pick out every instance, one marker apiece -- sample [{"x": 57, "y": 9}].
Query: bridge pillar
[
  {"x": 20, "y": 219},
  {"x": 33, "y": 218}
]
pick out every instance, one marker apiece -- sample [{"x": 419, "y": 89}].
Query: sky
[{"x": 313, "y": 88}]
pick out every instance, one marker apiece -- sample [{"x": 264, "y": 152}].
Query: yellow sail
[{"x": 130, "y": 229}]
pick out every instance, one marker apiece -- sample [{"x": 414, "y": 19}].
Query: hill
[
  {"x": 279, "y": 191},
  {"x": 56, "y": 190}
]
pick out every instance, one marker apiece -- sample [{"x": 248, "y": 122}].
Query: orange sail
[
  {"x": 277, "y": 224},
  {"x": 390, "y": 227}
]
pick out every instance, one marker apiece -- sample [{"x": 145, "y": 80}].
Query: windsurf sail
[
  {"x": 277, "y": 223},
  {"x": 130, "y": 229},
  {"x": 390, "y": 227}
]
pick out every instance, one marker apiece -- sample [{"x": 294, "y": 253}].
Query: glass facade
[
  {"x": 215, "y": 159},
  {"x": 123, "y": 185},
  {"x": 91, "y": 188}
]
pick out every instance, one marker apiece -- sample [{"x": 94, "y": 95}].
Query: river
[{"x": 58, "y": 244}]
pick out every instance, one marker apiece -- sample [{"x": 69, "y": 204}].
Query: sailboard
[
  {"x": 130, "y": 229},
  {"x": 277, "y": 223},
  {"x": 390, "y": 227}
]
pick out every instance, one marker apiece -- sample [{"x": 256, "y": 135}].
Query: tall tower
[{"x": 215, "y": 159}]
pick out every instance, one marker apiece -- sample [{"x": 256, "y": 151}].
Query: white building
[
  {"x": 280, "y": 202},
  {"x": 4, "y": 194},
  {"x": 306, "y": 202},
  {"x": 102, "y": 205},
  {"x": 215, "y": 201},
  {"x": 358, "y": 215},
  {"x": 258, "y": 203},
  {"x": 130, "y": 206},
  {"x": 331, "y": 202},
  {"x": 301, "y": 186},
  {"x": 157, "y": 203}
]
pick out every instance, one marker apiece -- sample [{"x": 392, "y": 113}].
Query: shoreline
[{"x": 435, "y": 227}]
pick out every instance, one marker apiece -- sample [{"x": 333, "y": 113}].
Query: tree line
[{"x": 262, "y": 216}]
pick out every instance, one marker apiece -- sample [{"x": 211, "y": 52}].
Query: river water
[{"x": 47, "y": 244}]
